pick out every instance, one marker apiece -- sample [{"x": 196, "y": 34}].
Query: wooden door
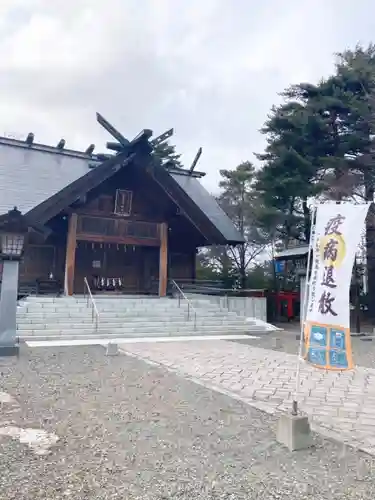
[
  {"x": 112, "y": 261},
  {"x": 150, "y": 269},
  {"x": 123, "y": 262},
  {"x": 89, "y": 263}
]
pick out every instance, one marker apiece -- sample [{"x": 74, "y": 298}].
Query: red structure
[{"x": 287, "y": 304}]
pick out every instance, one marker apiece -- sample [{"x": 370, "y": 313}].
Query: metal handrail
[
  {"x": 190, "y": 306},
  {"x": 91, "y": 301}
]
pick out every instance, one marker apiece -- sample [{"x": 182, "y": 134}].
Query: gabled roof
[
  {"x": 198, "y": 205},
  {"x": 194, "y": 190},
  {"x": 41, "y": 181}
]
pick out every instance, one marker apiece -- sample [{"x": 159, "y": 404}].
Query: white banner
[{"x": 338, "y": 231}]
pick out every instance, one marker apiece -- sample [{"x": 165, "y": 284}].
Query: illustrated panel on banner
[
  {"x": 338, "y": 230},
  {"x": 329, "y": 347}
]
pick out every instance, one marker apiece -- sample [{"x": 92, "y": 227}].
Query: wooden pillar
[
  {"x": 70, "y": 258},
  {"x": 163, "y": 260},
  {"x": 194, "y": 266}
]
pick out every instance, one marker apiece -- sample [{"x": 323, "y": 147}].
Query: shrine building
[{"x": 124, "y": 221}]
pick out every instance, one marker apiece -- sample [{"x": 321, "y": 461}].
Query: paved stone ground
[
  {"x": 340, "y": 404},
  {"x": 133, "y": 431},
  {"x": 363, "y": 351}
]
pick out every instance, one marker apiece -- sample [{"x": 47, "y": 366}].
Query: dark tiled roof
[
  {"x": 31, "y": 175},
  {"x": 208, "y": 205}
]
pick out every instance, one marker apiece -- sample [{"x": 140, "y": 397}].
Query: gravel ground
[
  {"x": 363, "y": 351},
  {"x": 132, "y": 431}
]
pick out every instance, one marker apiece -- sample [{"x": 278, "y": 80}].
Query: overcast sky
[{"x": 210, "y": 68}]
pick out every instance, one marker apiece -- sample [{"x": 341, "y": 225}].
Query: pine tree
[
  {"x": 356, "y": 72},
  {"x": 166, "y": 153},
  {"x": 320, "y": 143},
  {"x": 289, "y": 177}
]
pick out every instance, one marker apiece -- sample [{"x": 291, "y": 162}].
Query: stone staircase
[{"x": 70, "y": 318}]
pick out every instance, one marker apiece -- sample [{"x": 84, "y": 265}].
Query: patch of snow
[
  {"x": 37, "y": 440},
  {"x": 22, "y": 304},
  {"x": 6, "y": 398},
  {"x": 263, "y": 325}
]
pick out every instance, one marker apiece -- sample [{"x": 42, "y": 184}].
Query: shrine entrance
[
  {"x": 130, "y": 257},
  {"x": 116, "y": 269}
]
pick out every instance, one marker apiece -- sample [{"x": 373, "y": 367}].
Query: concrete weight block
[{"x": 293, "y": 431}]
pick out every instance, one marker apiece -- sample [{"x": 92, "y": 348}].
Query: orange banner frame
[{"x": 325, "y": 350}]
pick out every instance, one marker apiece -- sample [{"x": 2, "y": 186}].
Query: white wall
[{"x": 254, "y": 307}]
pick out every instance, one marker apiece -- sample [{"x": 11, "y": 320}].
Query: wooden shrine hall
[{"x": 124, "y": 221}]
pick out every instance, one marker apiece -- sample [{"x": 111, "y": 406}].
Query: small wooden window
[{"x": 123, "y": 204}]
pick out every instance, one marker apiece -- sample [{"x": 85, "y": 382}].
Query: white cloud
[{"x": 210, "y": 69}]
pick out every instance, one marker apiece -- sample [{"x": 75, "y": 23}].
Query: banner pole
[{"x": 306, "y": 295}]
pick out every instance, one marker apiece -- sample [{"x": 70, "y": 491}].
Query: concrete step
[
  {"x": 125, "y": 316},
  {"x": 64, "y": 325},
  {"x": 107, "y": 303},
  {"x": 108, "y": 313},
  {"x": 64, "y": 302},
  {"x": 150, "y": 330},
  {"x": 68, "y": 334},
  {"x": 109, "y": 298},
  {"x": 109, "y": 336},
  {"x": 45, "y": 318},
  {"x": 78, "y": 298},
  {"x": 138, "y": 321},
  {"x": 109, "y": 306}
]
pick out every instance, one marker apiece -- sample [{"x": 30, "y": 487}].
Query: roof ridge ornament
[
  {"x": 162, "y": 137},
  {"x": 112, "y": 130},
  {"x": 123, "y": 145},
  {"x": 195, "y": 161}
]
